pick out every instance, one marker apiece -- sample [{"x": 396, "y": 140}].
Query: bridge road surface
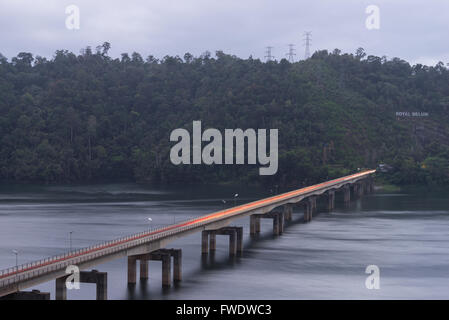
[{"x": 27, "y": 275}]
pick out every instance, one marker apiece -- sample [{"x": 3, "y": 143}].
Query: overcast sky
[{"x": 415, "y": 30}]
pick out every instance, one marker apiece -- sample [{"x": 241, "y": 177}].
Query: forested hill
[{"x": 90, "y": 117}]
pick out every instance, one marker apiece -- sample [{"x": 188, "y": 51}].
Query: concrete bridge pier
[
  {"x": 254, "y": 224},
  {"x": 205, "y": 242},
  {"x": 307, "y": 211},
  {"x": 330, "y": 200},
  {"x": 313, "y": 201},
  {"x": 276, "y": 226},
  {"x": 370, "y": 185},
  {"x": 212, "y": 241},
  {"x": 288, "y": 211},
  {"x": 177, "y": 266},
  {"x": 165, "y": 258},
  {"x": 309, "y": 208},
  {"x": 232, "y": 233},
  {"x": 166, "y": 269},
  {"x": 278, "y": 221},
  {"x": 358, "y": 189},
  {"x": 94, "y": 276},
  {"x": 131, "y": 269},
  {"x": 235, "y": 239},
  {"x": 61, "y": 289},
  {"x": 347, "y": 195},
  {"x": 143, "y": 264},
  {"x": 281, "y": 219},
  {"x": 163, "y": 255},
  {"x": 239, "y": 238},
  {"x": 27, "y": 295}
]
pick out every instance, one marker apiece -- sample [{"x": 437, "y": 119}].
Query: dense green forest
[{"x": 91, "y": 117}]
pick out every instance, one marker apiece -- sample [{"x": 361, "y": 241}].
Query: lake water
[{"x": 406, "y": 234}]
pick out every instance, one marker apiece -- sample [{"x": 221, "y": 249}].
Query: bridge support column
[
  {"x": 163, "y": 255},
  {"x": 331, "y": 200},
  {"x": 254, "y": 224},
  {"x": 314, "y": 207},
  {"x": 177, "y": 266},
  {"x": 239, "y": 240},
  {"x": 307, "y": 211},
  {"x": 258, "y": 225},
  {"x": 347, "y": 195},
  {"x": 204, "y": 242},
  {"x": 102, "y": 285},
  {"x": 27, "y": 295},
  {"x": 232, "y": 242},
  {"x": 309, "y": 208},
  {"x": 143, "y": 269},
  {"x": 288, "y": 210},
  {"x": 99, "y": 278},
  {"x": 358, "y": 189},
  {"x": 61, "y": 289},
  {"x": 276, "y": 226},
  {"x": 212, "y": 241},
  {"x": 166, "y": 271},
  {"x": 278, "y": 220},
  {"x": 235, "y": 238},
  {"x": 131, "y": 270},
  {"x": 369, "y": 185},
  {"x": 281, "y": 219}
]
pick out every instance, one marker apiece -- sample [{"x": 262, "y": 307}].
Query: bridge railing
[
  {"x": 29, "y": 270},
  {"x": 35, "y": 268}
]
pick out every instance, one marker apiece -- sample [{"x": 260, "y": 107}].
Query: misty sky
[{"x": 415, "y": 30}]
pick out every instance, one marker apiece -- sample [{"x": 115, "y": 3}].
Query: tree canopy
[{"x": 93, "y": 117}]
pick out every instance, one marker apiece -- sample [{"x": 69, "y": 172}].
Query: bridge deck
[{"x": 16, "y": 278}]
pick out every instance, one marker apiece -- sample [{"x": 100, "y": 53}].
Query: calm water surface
[{"x": 406, "y": 234}]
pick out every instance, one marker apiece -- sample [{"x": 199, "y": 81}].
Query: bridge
[{"x": 152, "y": 244}]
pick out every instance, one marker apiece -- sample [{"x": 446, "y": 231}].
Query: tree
[
  {"x": 87, "y": 116},
  {"x": 360, "y": 53}
]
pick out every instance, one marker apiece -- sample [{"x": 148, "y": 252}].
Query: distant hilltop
[{"x": 90, "y": 117}]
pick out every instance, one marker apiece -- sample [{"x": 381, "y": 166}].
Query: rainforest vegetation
[{"x": 90, "y": 117}]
